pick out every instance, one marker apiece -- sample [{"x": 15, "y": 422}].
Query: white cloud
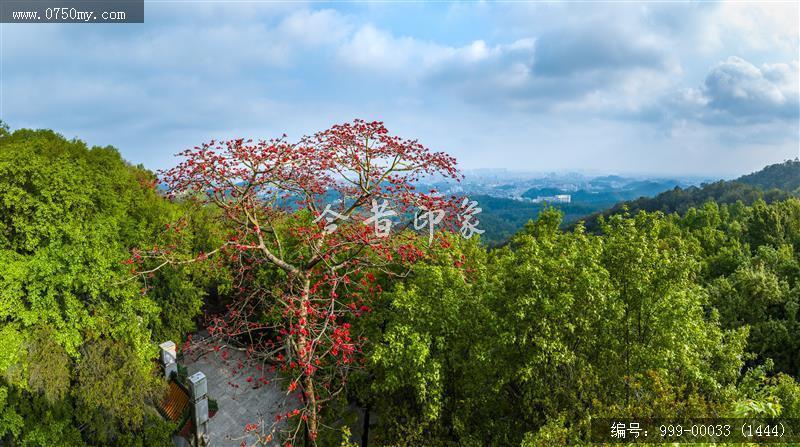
[
  {"x": 737, "y": 91},
  {"x": 623, "y": 72},
  {"x": 314, "y": 28},
  {"x": 377, "y": 51},
  {"x": 759, "y": 25}
]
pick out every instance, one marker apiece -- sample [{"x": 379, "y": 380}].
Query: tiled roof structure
[{"x": 175, "y": 402}]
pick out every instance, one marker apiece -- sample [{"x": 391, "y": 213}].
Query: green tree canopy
[{"x": 69, "y": 216}]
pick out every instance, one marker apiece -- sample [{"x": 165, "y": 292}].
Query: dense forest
[
  {"x": 685, "y": 305},
  {"x": 76, "y": 337},
  {"x": 656, "y": 316}
]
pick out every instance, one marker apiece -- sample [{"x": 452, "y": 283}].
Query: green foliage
[
  {"x": 345, "y": 441},
  {"x": 552, "y": 432},
  {"x": 69, "y": 216},
  {"x": 750, "y": 259},
  {"x": 51, "y": 429},
  {"x": 49, "y": 365},
  {"x": 112, "y": 386},
  {"x": 156, "y": 432},
  {"x": 654, "y": 317},
  {"x": 784, "y": 176},
  {"x": 10, "y": 421},
  {"x": 421, "y": 340},
  {"x": 12, "y": 355}
]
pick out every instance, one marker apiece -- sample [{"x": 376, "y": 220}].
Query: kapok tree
[{"x": 324, "y": 215}]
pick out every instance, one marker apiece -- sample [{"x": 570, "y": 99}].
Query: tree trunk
[
  {"x": 312, "y": 406},
  {"x": 305, "y": 357},
  {"x": 365, "y": 430}
]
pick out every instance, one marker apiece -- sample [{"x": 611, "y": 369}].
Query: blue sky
[{"x": 655, "y": 88}]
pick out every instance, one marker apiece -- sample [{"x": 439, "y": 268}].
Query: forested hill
[
  {"x": 773, "y": 183},
  {"x": 784, "y": 176}
]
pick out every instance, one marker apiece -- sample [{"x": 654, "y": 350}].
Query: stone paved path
[{"x": 239, "y": 402}]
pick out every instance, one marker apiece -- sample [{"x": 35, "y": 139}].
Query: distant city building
[{"x": 558, "y": 198}]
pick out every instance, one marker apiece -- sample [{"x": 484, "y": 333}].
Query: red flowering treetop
[{"x": 311, "y": 224}]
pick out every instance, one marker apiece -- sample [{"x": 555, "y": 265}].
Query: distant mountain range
[
  {"x": 604, "y": 191},
  {"x": 527, "y": 186},
  {"x": 773, "y": 183},
  {"x": 504, "y": 214},
  {"x": 507, "y": 200}
]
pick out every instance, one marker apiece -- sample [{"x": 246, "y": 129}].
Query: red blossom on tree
[{"x": 297, "y": 212}]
